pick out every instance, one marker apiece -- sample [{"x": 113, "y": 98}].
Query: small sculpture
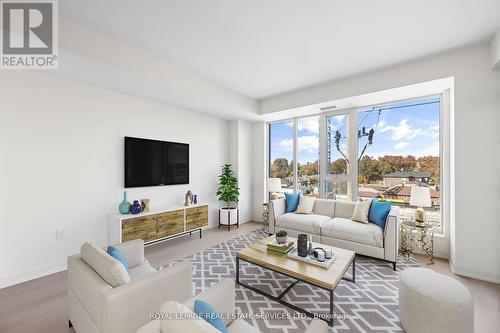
[
  {"x": 195, "y": 198},
  {"x": 188, "y": 198},
  {"x": 145, "y": 205}
]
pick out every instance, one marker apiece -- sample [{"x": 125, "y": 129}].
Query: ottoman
[{"x": 432, "y": 302}]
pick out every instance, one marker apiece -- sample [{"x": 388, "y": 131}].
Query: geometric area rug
[{"x": 369, "y": 305}]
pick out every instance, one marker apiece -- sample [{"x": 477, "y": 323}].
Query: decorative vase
[
  {"x": 302, "y": 245},
  {"x": 124, "y": 206},
  {"x": 136, "y": 207},
  {"x": 195, "y": 198},
  {"x": 282, "y": 239}
]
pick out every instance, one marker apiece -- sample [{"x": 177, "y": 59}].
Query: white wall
[
  {"x": 240, "y": 156},
  {"x": 476, "y": 126},
  {"x": 61, "y": 165}
]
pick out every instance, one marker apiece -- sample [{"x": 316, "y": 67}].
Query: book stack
[{"x": 280, "y": 248}]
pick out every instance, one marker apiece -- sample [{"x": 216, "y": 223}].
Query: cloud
[
  {"x": 307, "y": 143},
  {"x": 401, "y": 131},
  {"x": 429, "y": 151},
  {"x": 401, "y": 145},
  {"x": 309, "y": 124}
]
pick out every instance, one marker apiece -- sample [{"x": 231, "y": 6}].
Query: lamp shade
[
  {"x": 420, "y": 196},
  {"x": 273, "y": 185}
]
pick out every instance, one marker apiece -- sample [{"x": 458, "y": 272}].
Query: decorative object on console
[
  {"x": 281, "y": 236},
  {"x": 420, "y": 197},
  {"x": 188, "y": 198},
  {"x": 228, "y": 192},
  {"x": 302, "y": 245},
  {"x": 145, "y": 205},
  {"x": 292, "y": 201},
  {"x": 195, "y": 198},
  {"x": 274, "y": 187},
  {"x": 136, "y": 207},
  {"x": 124, "y": 207}
]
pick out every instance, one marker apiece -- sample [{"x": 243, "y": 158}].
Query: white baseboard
[
  {"x": 31, "y": 275},
  {"x": 475, "y": 274}
]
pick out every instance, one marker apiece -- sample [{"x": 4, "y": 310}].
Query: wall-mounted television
[{"x": 155, "y": 163}]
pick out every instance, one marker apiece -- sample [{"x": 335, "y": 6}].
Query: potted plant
[
  {"x": 281, "y": 236},
  {"x": 228, "y": 192}
]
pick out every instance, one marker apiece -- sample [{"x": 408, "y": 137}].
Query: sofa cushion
[
  {"x": 306, "y": 205},
  {"x": 118, "y": 255},
  {"x": 241, "y": 326},
  {"x": 183, "y": 320},
  {"x": 324, "y": 207},
  {"x": 361, "y": 210},
  {"x": 346, "y": 229},
  {"x": 378, "y": 212},
  {"x": 292, "y": 201},
  {"x": 108, "y": 268},
  {"x": 344, "y": 209},
  {"x": 210, "y": 315},
  {"x": 309, "y": 223},
  {"x": 141, "y": 270}
]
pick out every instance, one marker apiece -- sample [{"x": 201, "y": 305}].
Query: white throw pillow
[
  {"x": 361, "y": 211},
  {"x": 305, "y": 206},
  {"x": 181, "y": 319},
  {"x": 108, "y": 268}
]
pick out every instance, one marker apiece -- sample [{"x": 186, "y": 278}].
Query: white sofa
[
  {"x": 331, "y": 224},
  {"x": 222, "y": 297},
  {"x": 97, "y": 306}
]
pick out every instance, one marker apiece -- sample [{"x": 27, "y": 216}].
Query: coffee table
[{"x": 320, "y": 277}]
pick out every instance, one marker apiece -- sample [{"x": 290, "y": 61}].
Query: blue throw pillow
[
  {"x": 210, "y": 315},
  {"x": 118, "y": 255},
  {"x": 378, "y": 212},
  {"x": 292, "y": 201}
]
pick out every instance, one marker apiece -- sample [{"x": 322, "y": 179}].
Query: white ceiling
[{"x": 265, "y": 47}]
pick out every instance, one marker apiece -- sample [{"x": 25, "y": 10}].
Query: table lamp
[
  {"x": 274, "y": 186},
  {"x": 420, "y": 197}
]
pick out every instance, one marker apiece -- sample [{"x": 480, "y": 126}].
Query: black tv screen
[{"x": 155, "y": 163}]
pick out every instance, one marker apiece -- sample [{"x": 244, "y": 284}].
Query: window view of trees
[
  {"x": 281, "y": 153},
  {"x": 398, "y": 149},
  {"x": 308, "y": 159}
]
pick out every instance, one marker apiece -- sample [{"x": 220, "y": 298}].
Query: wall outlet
[{"x": 60, "y": 233}]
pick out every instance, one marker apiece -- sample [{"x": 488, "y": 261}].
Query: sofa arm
[
  {"x": 221, "y": 296},
  {"x": 391, "y": 235},
  {"x": 128, "y": 307},
  {"x": 276, "y": 209},
  {"x": 132, "y": 250},
  {"x": 317, "y": 326}
]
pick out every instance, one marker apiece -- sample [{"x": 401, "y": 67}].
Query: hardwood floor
[{"x": 40, "y": 305}]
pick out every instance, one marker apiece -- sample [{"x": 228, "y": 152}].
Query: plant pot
[
  {"x": 282, "y": 239},
  {"x": 228, "y": 216}
]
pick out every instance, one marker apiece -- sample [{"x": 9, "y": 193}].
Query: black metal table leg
[
  {"x": 237, "y": 270},
  {"x": 353, "y": 279},
  {"x": 200, "y": 233},
  {"x": 330, "y": 320}
]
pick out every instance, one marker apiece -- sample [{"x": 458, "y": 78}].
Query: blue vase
[
  {"x": 124, "y": 206},
  {"x": 136, "y": 207}
]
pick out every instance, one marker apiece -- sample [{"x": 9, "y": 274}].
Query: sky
[{"x": 403, "y": 129}]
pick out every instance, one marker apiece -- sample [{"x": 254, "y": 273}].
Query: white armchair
[
  {"x": 222, "y": 297},
  {"x": 95, "y": 306}
]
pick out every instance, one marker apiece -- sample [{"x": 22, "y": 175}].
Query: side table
[
  {"x": 422, "y": 236},
  {"x": 265, "y": 215}
]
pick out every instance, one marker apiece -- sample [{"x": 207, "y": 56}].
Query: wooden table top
[{"x": 258, "y": 254}]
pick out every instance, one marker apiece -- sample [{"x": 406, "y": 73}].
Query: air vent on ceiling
[{"x": 326, "y": 108}]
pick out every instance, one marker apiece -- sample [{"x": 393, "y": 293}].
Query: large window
[
  {"x": 308, "y": 156},
  {"x": 398, "y": 149},
  {"x": 380, "y": 151},
  {"x": 281, "y": 152}
]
